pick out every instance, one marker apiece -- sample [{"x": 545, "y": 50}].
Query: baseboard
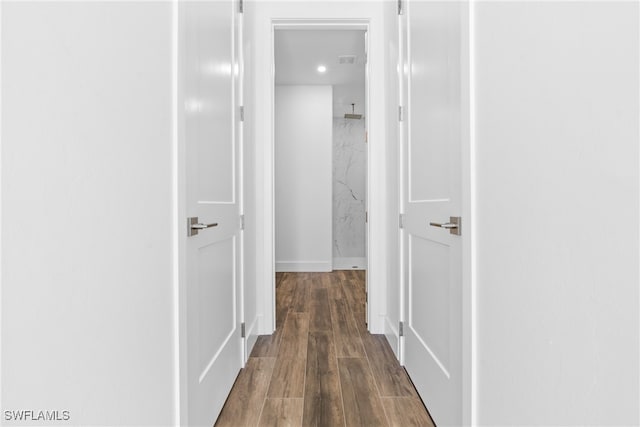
[
  {"x": 303, "y": 266},
  {"x": 350, "y": 263},
  {"x": 391, "y": 333},
  {"x": 252, "y": 337}
]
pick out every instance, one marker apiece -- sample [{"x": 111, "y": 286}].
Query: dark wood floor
[{"x": 322, "y": 367}]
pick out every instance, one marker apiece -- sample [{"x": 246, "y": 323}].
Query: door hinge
[
  {"x": 366, "y": 216},
  {"x": 242, "y": 331},
  {"x": 366, "y": 136},
  {"x": 401, "y": 220},
  {"x": 242, "y": 113},
  {"x": 242, "y": 222},
  {"x": 400, "y": 7},
  {"x": 400, "y": 115},
  {"x": 366, "y": 297},
  {"x": 240, "y": 6},
  {"x": 400, "y": 329}
]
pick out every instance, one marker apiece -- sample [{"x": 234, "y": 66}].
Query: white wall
[
  {"x": 87, "y": 225},
  {"x": 556, "y": 146},
  {"x": 303, "y": 178}
]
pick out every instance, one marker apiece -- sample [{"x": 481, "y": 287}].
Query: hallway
[{"x": 322, "y": 367}]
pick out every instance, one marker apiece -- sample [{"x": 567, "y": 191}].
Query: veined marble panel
[{"x": 349, "y": 187}]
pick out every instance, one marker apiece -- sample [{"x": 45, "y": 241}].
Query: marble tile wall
[{"x": 349, "y": 187}]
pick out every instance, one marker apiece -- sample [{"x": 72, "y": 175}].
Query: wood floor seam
[
  {"x": 261, "y": 410},
  {"x": 344, "y": 419},
  {"x": 333, "y": 334}
]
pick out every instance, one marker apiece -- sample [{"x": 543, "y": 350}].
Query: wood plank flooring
[{"x": 321, "y": 367}]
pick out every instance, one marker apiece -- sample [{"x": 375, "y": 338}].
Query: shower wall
[{"x": 349, "y": 191}]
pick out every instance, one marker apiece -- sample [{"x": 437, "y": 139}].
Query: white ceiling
[{"x": 298, "y": 53}]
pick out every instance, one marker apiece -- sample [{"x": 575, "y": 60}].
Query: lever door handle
[
  {"x": 445, "y": 225},
  {"x": 193, "y": 226},
  {"x": 199, "y": 226},
  {"x": 454, "y": 224}
]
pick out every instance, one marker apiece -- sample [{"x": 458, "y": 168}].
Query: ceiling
[{"x": 298, "y": 53}]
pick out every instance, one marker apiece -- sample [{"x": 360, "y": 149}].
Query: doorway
[
  {"x": 320, "y": 148},
  {"x": 268, "y": 18}
]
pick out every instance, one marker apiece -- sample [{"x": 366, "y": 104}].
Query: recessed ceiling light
[{"x": 322, "y": 68}]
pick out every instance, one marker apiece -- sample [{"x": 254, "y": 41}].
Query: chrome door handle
[
  {"x": 193, "y": 226},
  {"x": 445, "y": 225},
  {"x": 203, "y": 226},
  {"x": 454, "y": 225}
]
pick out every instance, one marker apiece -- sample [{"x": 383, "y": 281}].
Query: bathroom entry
[{"x": 320, "y": 149}]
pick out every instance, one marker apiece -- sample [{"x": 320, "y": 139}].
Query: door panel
[
  {"x": 432, "y": 193},
  {"x": 429, "y": 286},
  {"x": 211, "y": 61},
  {"x": 216, "y": 286},
  {"x": 213, "y": 287},
  {"x": 431, "y": 86}
]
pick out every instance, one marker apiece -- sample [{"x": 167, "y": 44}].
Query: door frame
[
  {"x": 356, "y": 16},
  {"x": 321, "y": 25},
  {"x": 325, "y": 25}
]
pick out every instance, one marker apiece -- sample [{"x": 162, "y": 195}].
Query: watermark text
[{"x": 37, "y": 415}]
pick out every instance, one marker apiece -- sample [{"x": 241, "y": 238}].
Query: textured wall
[{"x": 349, "y": 188}]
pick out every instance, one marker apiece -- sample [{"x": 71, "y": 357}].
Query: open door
[
  {"x": 214, "y": 344},
  {"x": 432, "y": 190}
]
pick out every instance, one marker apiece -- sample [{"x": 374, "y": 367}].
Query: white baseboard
[
  {"x": 303, "y": 266},
  {"x": 391, "y": 332},
  {"x": 252, "y": 337},
  {"x": 352, "y": 263}
]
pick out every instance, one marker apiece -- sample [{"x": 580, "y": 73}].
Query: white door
[
  {"x": 432, "y": 194},
  {"x": 213, "y": 314}
]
